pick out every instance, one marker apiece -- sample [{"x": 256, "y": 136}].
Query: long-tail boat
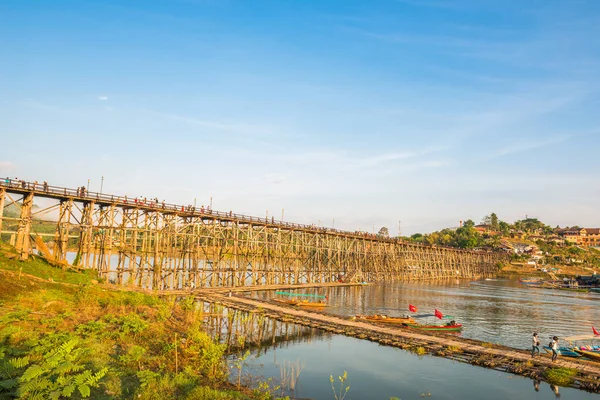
[
  {"x": 563, "y": 351},
  {"x": 306, "y": 303},
  {"x": 301, "y": 302},
  {"x": 386, "y": 319},
  {"x": 590, "y": 351},
  {"x": 451, "y": 326},
  {"x": 286, "y": 301},
  {"x": 592, "y": 355}
]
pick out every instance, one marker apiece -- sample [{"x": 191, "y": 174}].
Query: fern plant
[
  {"x": 59, "y": 374},
  {"x": 9, "y": 372}
]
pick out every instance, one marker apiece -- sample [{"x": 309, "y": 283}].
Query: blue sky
[{"x": 367, "y": 113}]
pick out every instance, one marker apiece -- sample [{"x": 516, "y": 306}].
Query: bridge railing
[{"x": 84, "y": 195}]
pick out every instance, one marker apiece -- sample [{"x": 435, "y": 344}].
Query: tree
[
  {"x": 494, "y": 221},
  {"x": 385, "y": 232},
  {"x": 468, "y": 223},
  {"x": 417, "y": 236},
  {"x": 466, "y": 236},
  {"x": 495, "y": 241},
  {"x": 529, "y": 225}
]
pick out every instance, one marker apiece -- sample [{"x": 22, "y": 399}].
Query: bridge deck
[
  {"x": 466, "y": 350},
  {"x": 103, "y": 199}
]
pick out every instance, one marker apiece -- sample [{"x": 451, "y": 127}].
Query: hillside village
[{"x": 529, "y": 241}]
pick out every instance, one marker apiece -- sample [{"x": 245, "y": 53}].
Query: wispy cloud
[
  {"x": 39, "y": 106},
  {"x": 103, "y": 98},
  {"x": 242, "y": 129},
  {"x": 430, "y": 40},
  {"x": 345, "y": 161},
  {"x": 521, "y": 146},
  {"x": 380, "y": 160}
]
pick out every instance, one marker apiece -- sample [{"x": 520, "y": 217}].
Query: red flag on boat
[
  {"x": 412, "y": 308},
  {"x": 438, "y": 314},
  {"x": 595, "y": 331}
]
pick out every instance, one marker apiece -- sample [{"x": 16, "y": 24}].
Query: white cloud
[{"x": 102, "y": 98}]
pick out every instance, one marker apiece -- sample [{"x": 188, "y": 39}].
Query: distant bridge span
[{"x": 152, "y": 244}]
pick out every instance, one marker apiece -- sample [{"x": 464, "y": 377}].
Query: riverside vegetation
[
  {"x": 526, "y": 232},
  {"x": 63, "y": 334}
]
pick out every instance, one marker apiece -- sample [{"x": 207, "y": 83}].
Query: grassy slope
[{"x": 134, "y": 335}]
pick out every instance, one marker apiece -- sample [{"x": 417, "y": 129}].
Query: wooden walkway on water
[{"x": 502, "y": 358}]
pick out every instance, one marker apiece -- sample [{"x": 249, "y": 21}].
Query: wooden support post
[
  {"x": 85, "y": 234},
  {"x": 61, "y": 237},
  {"x": 23, "y": 244}
]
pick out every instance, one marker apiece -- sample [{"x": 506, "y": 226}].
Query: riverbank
[
  {"x": 515, "y": 269},
  {"x": 64, "y": 333}
]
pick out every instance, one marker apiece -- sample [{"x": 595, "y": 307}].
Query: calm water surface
[
  {"x": 379, "y": 372},
  {"x": 497, "y": 311}
]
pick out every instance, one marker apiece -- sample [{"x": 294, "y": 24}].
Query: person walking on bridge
[
  {"x": 554, "y": 347},
  {"x": 535, "y": 344}
]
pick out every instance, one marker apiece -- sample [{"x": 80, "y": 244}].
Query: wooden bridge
[{"x": 152, "y": 244}]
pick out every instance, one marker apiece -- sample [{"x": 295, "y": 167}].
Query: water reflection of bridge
[
  {"x": 166, "y": 246},
  {"x": 240, "y": 330}
]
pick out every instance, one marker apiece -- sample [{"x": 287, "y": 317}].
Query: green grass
[
  {"x": 38, "y": 267},
  {"x": 560, "y": 376},
  {"x": 121, "y": 344}
]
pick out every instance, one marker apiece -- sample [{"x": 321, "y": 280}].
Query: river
[{"x": 496, "y": 311}]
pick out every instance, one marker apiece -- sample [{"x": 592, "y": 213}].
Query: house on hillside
[
  {"x": 507, "y": 247},
  {"x": 587, "y": 237},
  {"x": 483, "y": 229},
  {"x": 555, "y": 239},
  {"x": 536, "y": 237}
]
